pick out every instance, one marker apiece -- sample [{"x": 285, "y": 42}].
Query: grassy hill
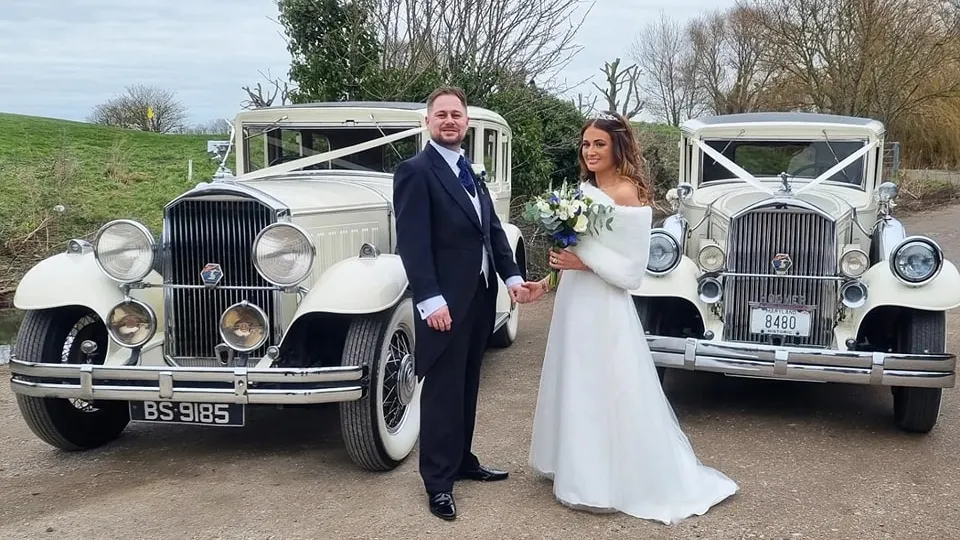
[{"x": 94, "y": 173}]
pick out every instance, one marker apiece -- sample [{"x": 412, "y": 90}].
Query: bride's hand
[{"x": 566, "y": 260}]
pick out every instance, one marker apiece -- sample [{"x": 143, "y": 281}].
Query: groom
[{"x": 451, "y": 243}]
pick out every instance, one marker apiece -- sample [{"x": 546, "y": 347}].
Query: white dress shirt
[{"x": 428, "y": 306}]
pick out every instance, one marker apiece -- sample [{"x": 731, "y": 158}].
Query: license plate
[
  {"x": 780, "y": 322},
  {"x": 185, "y": 412}
]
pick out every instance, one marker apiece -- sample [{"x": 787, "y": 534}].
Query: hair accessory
[{"x": 603, "y": 115}]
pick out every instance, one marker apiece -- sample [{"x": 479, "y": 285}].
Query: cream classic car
[
  {"x": 275, "y": 286},
  {"x": 782, "y": 260}
]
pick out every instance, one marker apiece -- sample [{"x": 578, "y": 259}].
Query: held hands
[{"x": 528, "y": 291}]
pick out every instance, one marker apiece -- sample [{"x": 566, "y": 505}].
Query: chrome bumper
[
  {"x": 273, "y": 386},
  {"x": 804, "y": 364}
]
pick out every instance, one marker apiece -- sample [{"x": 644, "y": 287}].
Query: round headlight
[
  {"x": 131, "y": 323},
  {"x": 710, "y": 290},
  {"x": 243, "y": 326},
  {"x": 664, "y": 252},
  {"x": 854, "y": 263},
  {"x": 711, "y": 258},
  {"x": 916, "y": 260},
  {"x": 283, "y": 254},
  {"x": 123, "y": 249},
  {"x": 853, "y": 294}
]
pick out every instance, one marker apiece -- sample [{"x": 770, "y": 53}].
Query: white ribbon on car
[
  {"x": 833, "y": 170},
  {"x": 329, "y": 156},
  {"x": 732, "y": 167}
]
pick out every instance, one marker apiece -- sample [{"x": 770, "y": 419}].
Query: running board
[{"x": 500, "y": 320}]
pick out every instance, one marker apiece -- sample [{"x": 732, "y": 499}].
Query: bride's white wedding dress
[{"x": 604, "y": 431}]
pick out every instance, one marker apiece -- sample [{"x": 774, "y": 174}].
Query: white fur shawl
[{"x": 618, "y": 256}]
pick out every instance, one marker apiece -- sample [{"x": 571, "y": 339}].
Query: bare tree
[
  {"x": 146, "y": 108},
  {"x": 874, "y": 58},
  {"x": 667, "y": 58},
  {"x": 619, "y": 80},
  {"x": 586, "y": 105},
  {"x": 531, "y": 38},
  {"x": 731, "y": 56},
  {"x": 259, "y": 99}
]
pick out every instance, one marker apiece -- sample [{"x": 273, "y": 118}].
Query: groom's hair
[{"x": 447, "y": 91}]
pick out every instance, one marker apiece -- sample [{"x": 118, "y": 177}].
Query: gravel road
[{"x": 813, "y": 461}]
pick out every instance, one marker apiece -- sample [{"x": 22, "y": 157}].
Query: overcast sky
[{"x": 59, "y": 58}]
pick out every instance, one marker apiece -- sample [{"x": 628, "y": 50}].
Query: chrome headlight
[
  {"x": 131, "y": 323},
  {"x": 853, "y": 294},
  {"x": 244, "y": 326},
  {"x": 283, "y": 254},
  {"x": 854, "y": 263},
  {"x": 916, "y": 260},
  {"x": 123, "y": 250},
  {"x": 664, "y": 252},
  {"x": 711, "y": 258}
]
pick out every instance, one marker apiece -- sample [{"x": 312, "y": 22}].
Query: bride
[{"x": 603, "y": 430}]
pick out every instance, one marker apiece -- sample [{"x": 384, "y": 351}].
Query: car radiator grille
[
  {"x": 754, "y": 239},
  {"x": 200, "y": 232}
]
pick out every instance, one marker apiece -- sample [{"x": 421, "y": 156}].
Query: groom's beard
[{"x": 452, "y": 145}]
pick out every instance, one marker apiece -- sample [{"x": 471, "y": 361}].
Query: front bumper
[
  {"x": 264, "y": 386},
  {"x": 804, "y": 364}
]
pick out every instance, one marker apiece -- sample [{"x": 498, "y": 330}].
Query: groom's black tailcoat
[{"x": 440, "y": 241}]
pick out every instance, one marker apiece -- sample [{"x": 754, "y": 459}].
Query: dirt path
[{"x": 813, "y": 461}]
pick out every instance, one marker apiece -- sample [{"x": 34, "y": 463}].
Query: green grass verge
[{"x": 63, "y": 180}]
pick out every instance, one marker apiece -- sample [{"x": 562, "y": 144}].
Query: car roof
[{"x": 784, "y": 117}]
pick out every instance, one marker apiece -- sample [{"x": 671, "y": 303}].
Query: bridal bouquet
[{"x": 566, "y": 214}]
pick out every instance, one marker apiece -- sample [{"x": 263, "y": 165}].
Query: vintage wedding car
[
  {"x": 276, "y": 286},
  {"x": 782, "y": 260}
]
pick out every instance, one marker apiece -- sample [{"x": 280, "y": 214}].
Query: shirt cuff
[
  {"x": 428, "y": 306},
  {"x": 513, "y": 280}
]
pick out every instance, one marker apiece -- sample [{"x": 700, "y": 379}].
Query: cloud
[
  {"x": 60, "y": 58},
  {"x": 68, "y": 59}
]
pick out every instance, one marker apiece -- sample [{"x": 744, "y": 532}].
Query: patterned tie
[{"x": 466, "y": 176}]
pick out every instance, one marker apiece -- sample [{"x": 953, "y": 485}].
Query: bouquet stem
[{"x": 553, "y": 279}]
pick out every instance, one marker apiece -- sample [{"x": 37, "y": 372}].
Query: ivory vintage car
[
  {"x": 275, "y": 286},
  {"x": 782, "y": 260}
]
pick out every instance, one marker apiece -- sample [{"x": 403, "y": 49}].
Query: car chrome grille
[
  {"x": 198, "y": 232},
  {"x": 754, "y": 239}
]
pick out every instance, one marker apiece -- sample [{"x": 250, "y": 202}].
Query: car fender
[
  {"x": 680, "y": 283},
  {"x": 942, "y": 293},
  {"x": 356, "y": 286},
  {"x": 74, "y": 279}
]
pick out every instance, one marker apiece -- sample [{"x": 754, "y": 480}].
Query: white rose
[{"x": 581, "y": 224}]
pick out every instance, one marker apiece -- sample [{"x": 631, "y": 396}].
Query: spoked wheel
[
  {"x": 380, "y": 429},
  {"x": 61, "y": 336}
]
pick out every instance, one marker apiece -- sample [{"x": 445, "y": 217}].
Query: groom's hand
[
  {"x": 519, "y": 293},
  {"x": 440, "y": 319}
]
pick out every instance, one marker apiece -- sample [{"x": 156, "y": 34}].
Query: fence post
[{"x": 190, "y": 170}]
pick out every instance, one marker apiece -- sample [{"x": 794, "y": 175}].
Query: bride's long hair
[{"x": 627, "y": 156}]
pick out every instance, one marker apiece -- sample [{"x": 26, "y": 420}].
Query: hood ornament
[{"x": 785, "y": 187}]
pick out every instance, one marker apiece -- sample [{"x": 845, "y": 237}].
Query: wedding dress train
[{"x": 604, "y": 431}]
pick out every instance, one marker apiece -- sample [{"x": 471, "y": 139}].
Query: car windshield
[
  {"x": 799, "y": 159},
  {"x": 268, "y": 145}
]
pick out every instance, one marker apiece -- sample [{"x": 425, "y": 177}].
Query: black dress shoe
[
  {"x": 443, "y": 506},
  {"x": 482, "y": 474}
]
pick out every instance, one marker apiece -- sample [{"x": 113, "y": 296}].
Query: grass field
[{"x": 91, "y": 173}]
